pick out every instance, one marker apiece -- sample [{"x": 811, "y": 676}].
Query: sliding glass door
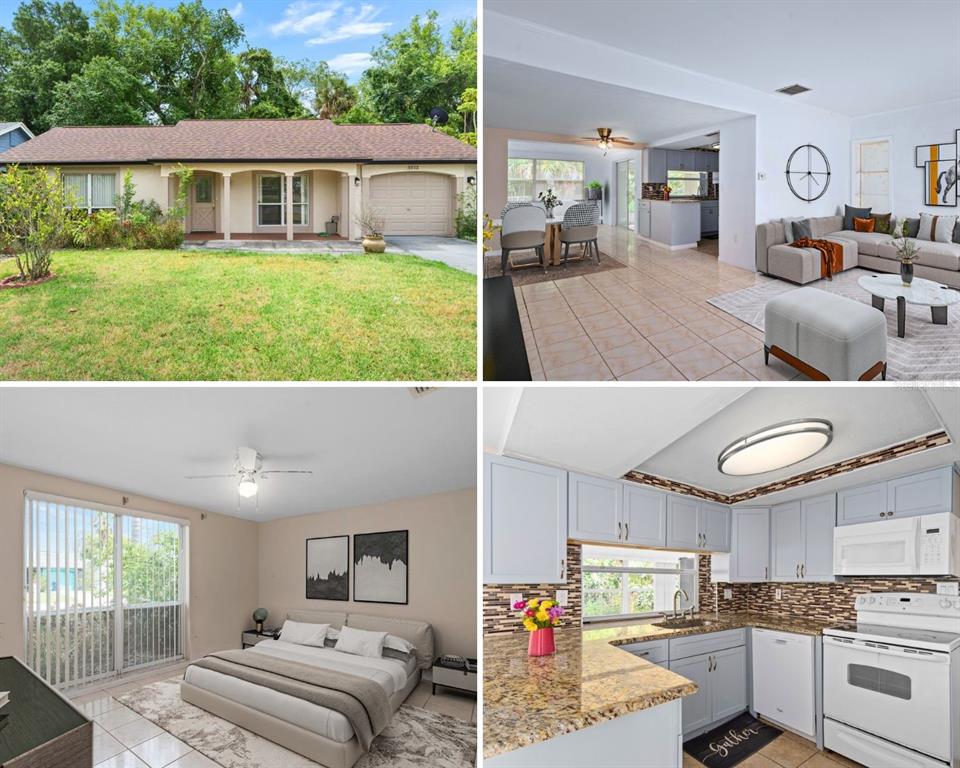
[
  {"x": 626, "y": 195},
  {"x": 103, "y": 590}
]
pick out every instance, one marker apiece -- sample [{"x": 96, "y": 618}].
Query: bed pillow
[
  {"x": 399, "y": 644},
  {"x": 393, "y": 646},
  {"x": 361, "y": 642},
  {"x": 392, "y": 653},
  {"x": 304, "y": 634}
]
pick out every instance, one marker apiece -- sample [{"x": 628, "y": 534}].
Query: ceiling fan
[
  {"x": 606, "y": 140},
  {"x": 248, "y": 470}
]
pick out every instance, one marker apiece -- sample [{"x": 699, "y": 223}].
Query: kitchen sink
[{"x": 684, "y": 623}]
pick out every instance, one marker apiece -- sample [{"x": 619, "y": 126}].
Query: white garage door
[{"x": 414, "y": 203}]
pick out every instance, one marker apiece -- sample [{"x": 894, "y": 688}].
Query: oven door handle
[{"x": 867, "y": 646}]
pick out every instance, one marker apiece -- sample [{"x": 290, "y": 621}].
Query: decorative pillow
[
  {"x": 802, "y": 229},
  {"x": 399, "y": 644},
  {"x": 788, "y": 229},
  {"x": 304, "y": 634},
  {"x": 849, "y": 214},
  {"x": 361, "y": 642},
  {"x": 956, "y": 233},
  {"x": 937, "y": 229},
  {"x": 881, "y": 222},
  {"x": 864, "y": 225},
  {"x": 913, "y": 226},
  {"x": 392, "y": 653}
]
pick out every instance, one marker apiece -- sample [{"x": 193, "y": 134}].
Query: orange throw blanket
[{"x": 831, "y": 255}]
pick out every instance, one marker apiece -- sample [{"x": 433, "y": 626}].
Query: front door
[{"x": 202, "y": 207}]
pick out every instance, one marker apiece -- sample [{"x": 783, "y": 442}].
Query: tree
[
  {"x": 468, "y": 109},
  {"x": 263, "y": 87},
  {"x": 33, "y": 218},
  {"x": 333, "y": 96},
  {"x": 104, "y": 93}
]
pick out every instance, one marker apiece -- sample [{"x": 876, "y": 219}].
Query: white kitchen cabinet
[
  {"x": 862, "y": 504},
  {"x": 524, "y": 522},
  {"x": 728, "y": 683},
  {"x": 683, "y": 522},
  {"x": 925, "y": 493},
  {"x": 696, "y": 709},
  {"x": 749, "y": 557},
  {"x": 644, "y": 516},
  {"x": 819, "y": 520},
  {"x": 595, "y": 508},
  {"x": 783, "y": 679},
  {"x": 786, "y": 541},
  {"x": 714, "y": 527}
]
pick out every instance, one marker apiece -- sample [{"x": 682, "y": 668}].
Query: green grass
[{"x": 189, "y": 315}]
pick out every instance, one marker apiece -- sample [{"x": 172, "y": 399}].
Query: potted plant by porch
[
  {"x": 907, "y": 253},
  {"x": 594, "y": 190},
  {"x": 372, "y": 224}
]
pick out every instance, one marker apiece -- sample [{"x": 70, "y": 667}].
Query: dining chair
[
  {"x": 579, "y": 227},
  {"x": 514, "y": 204},
  {"x": 523, "y": 228}
]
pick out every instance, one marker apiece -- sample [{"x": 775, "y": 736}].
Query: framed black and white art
[
  {"x": 941, "y": 168},
  {"x": 380, "y": 564},
  {"x": 328, "y": 568}
]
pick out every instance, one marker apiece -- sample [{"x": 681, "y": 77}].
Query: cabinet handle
[
  {"x": 626, "y": 530},
  {"x": 619, "y": 530},
  {"x": 563, "y": 569},
  {"x": 798, "y": 570},
  {"x": 803, "y": 571},
  {"x": 765, "y": 577},
  {"x": 890, "y": 513},
  {"x": 780, "y": 642}
]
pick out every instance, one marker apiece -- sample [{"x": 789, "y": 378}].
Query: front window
[
  {"x": 626, "y": 583},
  {"x": 272, "y": 199},
  {"x": 527, "y": 177},
  {"x": 91, "y": 191},
  {"x": 686, "y": 183}
]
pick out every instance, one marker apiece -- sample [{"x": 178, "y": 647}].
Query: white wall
[
  {"x": 738, "y": 190},
  {"x": 908, "y": 128},
  {"x": 781, "y": 124}
]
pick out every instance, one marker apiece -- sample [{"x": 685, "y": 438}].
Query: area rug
[
  {"x": 530, "y": 275},
  {"x": 731, "y": 743},
  {"x": 928, "y": 351},
  {"x": 415, "y": 738}
]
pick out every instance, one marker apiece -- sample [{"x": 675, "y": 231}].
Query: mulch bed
[
  {"x": 14, "y": 281},
  {"x": 530, "y": 275}
]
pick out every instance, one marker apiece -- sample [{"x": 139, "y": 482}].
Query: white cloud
[
  {"x": 350, "y": 63},
  {"x": 303, "y": 17},
  {"x": 354, "y": 24},
  {"x": 236, "y": 11}
]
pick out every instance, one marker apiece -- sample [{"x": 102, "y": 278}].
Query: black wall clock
[{"x": 808, "y": 172}]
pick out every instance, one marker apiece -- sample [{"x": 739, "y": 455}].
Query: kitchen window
[
  {"x": 626, "y": 583},
  {"x": 871, "y": 174},
  {"x": 272, "y": 199},
  {"x": 92, "y": 191},
  {"x": 528, "y": 177},
  {"x": 686, "y": 183}
]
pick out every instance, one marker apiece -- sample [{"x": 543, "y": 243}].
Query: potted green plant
[
  {"x": 594, "y": 190},
  {"x": 907, "y": 253},
  {"x": 550, "y": 201},
  {"x": 372, "y": 223}
]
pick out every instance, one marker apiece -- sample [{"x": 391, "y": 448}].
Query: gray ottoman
[{"x": 825, "y": 336}]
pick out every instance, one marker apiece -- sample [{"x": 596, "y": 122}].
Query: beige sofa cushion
[
  {"x": 826, "y": 225},
  {"x": 867, "y": 242},
  {"x": 850, "y": 250},
  {"x": 939, "y": 255}
]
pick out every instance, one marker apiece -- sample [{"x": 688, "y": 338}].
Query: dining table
[{"x": 551, "y": 241}]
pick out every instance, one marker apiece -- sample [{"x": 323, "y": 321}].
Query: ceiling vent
[
  {"x": 421, "y": 391},
  {"x": 793, "y": 90}
]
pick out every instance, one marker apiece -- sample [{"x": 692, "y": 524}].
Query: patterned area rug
[
  {"x": 415, "y": 738},
  {"x": 928, "y": 351},
  {"x": 530, "y": 275}
]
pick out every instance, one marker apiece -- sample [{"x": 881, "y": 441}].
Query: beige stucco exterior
[{"x": 334, "y": 189}]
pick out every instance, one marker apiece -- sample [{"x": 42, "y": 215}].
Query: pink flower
[
  {"x": 530, "y": 612},
  {"x": 555, "y": 612},
  {"x": 519, "y": 605}
]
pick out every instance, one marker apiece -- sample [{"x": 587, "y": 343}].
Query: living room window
[
  {"x": 871, "y": 174},
  {"x": 626, "y": 583},
  {"x": 528, "y": 177},
  {"x": 91, "y": 191},
  {"x": 272, "y": 199}
]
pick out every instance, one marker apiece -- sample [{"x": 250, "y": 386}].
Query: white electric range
[{"x": 891, "y": 682}]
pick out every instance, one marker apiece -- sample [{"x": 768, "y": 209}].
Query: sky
[{"x": 340, "y": 32}]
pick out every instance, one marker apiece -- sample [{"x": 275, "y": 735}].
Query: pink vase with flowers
[{"x": 539, "y": 618}]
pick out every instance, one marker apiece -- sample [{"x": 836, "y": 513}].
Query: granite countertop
[{"x": 589, "y": 680}]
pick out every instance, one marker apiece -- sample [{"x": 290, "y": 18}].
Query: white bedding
[{"x": 392, "y": 675}]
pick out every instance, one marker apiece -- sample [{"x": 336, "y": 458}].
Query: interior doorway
[{"x": 626, "y": 195}]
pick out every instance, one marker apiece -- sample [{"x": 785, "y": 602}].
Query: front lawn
[{"x": 157, "y": 315}]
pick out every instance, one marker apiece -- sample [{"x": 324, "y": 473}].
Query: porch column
[
  {"x": 355, "y": 204},
  {"x": 289, "y": 206},
  {"x": 225, "y": 213}
]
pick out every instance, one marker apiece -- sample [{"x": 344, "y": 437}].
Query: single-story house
[
  {"x": 13, "y": 134},
  {"x": 284, "y": 178}
]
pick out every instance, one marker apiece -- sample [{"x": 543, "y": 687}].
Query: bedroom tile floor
[
  {"x": 124, "y": 739},
  {"x": 786, "y": 751},
  {"x": 648, "y": 321}
]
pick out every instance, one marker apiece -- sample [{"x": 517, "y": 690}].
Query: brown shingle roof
[{"x": 242, "y": 140}]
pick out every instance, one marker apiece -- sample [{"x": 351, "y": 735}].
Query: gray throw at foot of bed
[{"x": 363, "y": 702}]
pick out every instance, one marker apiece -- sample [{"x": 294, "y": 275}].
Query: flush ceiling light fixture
[
  {"x": 775, "y": 447},
  {"x": 247, "y": 487}
]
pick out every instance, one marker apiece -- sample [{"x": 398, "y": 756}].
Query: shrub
[
  {"x": 466, "y": 219},
  {"x": 33, "y": 218}
]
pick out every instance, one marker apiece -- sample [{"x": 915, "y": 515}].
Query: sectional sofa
[{"x": 872, "y": 250}]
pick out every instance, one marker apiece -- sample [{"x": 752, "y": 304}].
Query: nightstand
[
  {"x": 458, "y": 678},
  {"x": 250, "y": 637}
]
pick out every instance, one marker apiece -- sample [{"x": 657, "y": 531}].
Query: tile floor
[
  {"x": 648, "y": 321},
  {"x": 786, "y": 751},
  {"x": 124, "y": 739}
]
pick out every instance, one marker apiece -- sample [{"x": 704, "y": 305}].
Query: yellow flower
[
  {"x": 547, "y": 604},
  {"x": 556, "y": 621},
  {"x": 530, "y": 625},
  {"x": 533, "y": 603},
  {"x": 543, "y": 616}
]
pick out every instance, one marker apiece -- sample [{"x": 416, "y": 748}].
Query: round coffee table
[{"x": 923, "y": 292}]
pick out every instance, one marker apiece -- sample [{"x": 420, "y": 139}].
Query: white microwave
[{"x": 928, "y": 545}]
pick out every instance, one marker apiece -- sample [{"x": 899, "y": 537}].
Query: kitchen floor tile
[
  {"x": 630, "y": 357},
  {"x": 654, "y": 324},
  {"x": 552, "y": 334},
  {"x": 615, "y": 336},
  {"x": 603, "y": 320},
  {"x": 589, "y": 369},
  {"x": 674, "y": 340},
  {"x": 565, "y": 352},
  {"x": 658, "y": 371},
  {"x": 787, "y": 752},
  {"x": 737, "y": 344},
  {"x": 732, "y": 372},
  {"x": 699, "y": 361}
]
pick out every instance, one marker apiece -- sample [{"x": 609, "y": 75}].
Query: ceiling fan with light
[
  {"x": 248, "y": 470},
  {"x": 607, "y": 140}
]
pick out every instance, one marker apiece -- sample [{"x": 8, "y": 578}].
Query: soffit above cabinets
[{"x": 676, "y": 433}]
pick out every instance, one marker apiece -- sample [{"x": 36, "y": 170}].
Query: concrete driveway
[{"x": 460, "y": 254}]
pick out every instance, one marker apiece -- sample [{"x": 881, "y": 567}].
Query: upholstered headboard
[
  {"x": 335, "y": 619},
  {"x": 417, "y": 632}
]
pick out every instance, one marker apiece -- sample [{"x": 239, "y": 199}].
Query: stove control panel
[{"x": 907, "y": 602}]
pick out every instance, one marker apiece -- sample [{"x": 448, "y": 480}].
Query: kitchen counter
[{"x": 589, "y": 680}]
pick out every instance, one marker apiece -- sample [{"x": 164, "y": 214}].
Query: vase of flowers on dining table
[{"x": 549, "y": 201}]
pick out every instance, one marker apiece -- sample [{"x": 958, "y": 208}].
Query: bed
[{"x": 321, "y": 733}]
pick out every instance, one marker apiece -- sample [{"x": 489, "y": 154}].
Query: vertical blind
[{"x": 102, "y": 590}]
